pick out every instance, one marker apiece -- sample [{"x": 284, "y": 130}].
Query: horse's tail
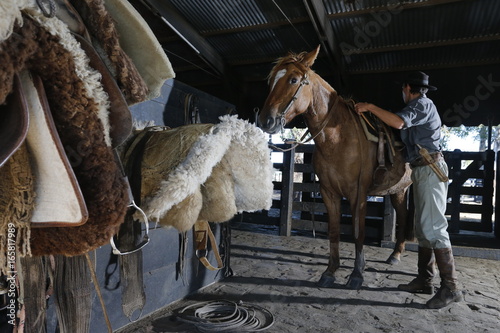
[{"x": 410, "y": 217}]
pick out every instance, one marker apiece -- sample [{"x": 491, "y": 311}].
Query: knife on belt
[{"x": 425, "y": 154}]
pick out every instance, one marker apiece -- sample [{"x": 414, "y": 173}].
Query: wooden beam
[
  {"x": 324, "y": 30},
  {"x": 429, "y": 44},
  {"x": 189, "y": 34},
  {"x": 450, "y": 64},
  {"x": 400, "y": 5}
]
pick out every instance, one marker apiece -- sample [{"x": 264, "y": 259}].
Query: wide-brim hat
[{"x": 418, "y": 79}]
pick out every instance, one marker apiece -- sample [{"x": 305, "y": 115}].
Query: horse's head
[{"x": 290, "y": 91}]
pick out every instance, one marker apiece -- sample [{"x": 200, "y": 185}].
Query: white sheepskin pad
[{"x": 245, "y": 149}]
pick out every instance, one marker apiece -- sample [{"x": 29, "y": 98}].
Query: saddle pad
[
  {"x": 58, "y": 201},
  {"x": 120, "y": 118},
  {"x": 141, "y": 45}
]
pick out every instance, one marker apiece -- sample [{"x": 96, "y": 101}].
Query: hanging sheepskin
[
  {"x": 84, "y": 112},
  {"x": 205, "y": 172}
]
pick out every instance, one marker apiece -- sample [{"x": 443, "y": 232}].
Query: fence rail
[{"x": 298, "y": 203}]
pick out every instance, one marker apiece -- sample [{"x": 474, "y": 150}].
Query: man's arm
[{"x": 387, "y": 117}]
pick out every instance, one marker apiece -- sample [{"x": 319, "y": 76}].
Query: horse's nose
[{"x": 269, "y": 122}]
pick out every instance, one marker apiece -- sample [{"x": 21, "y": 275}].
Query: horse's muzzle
[{"x": 270, "y": 125}]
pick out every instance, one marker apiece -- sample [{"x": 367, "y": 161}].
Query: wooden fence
[{"x": 298, "y": 204}]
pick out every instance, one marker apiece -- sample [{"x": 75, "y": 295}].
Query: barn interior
[
  {"x": 222, "y": 52},
  {"x": 226, "y": 48}
]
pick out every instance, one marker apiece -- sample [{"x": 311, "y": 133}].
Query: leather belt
[{"x": 420, "y": 161}]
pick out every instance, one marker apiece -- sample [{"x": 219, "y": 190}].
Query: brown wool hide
[
  {"x": 81, "y": 134},
  {"x": 102, "y": 28}
]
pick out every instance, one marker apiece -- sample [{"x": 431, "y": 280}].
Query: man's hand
[
  {"x": 363, "y": 107},
  {"x": 387, "y": 117}
]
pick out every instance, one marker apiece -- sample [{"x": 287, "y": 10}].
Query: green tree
[{"x": 478, "y": 133}]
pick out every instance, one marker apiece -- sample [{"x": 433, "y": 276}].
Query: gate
[{"x": 470, "y": 196}]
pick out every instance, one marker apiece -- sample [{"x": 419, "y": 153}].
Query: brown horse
[{"x": 344, "y": 160}]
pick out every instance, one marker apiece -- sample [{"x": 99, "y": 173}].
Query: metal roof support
[
  {"x": 187, "y": 33},
  {"x": 321, "y": 23}
]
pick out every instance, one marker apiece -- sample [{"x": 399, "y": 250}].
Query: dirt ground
[{"x": 279, "y": 274}]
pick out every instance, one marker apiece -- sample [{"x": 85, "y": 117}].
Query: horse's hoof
[
  {"x": 327, "y": 280},
  {"x": 392, "y": 260},
  {"x": 355, "y": 283}
]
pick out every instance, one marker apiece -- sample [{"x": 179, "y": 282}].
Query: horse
[{"x": 343, "y": 159}]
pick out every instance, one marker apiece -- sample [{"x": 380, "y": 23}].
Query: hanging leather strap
[
  {"x": 203, "y": 233},
  {"x": 380, "y": 153}
]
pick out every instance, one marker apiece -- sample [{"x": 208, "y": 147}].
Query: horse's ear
[{"x": 311, "y": 57}]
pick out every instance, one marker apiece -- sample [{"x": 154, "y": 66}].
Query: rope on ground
[{"x": 226, "y": 316}]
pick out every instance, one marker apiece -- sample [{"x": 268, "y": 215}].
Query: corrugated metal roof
[
  {"x": 358, "y": 37},
  {"x": 219, "y": 15}
]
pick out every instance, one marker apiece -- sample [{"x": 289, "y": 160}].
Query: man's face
[{"x": 406, "y": 93}]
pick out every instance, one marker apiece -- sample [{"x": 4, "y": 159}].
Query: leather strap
[
  {"x": 380, "y": 153},
  {"x": 203, "y": 233}
]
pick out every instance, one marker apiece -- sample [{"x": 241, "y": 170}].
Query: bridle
[{"x": 303, "y": 81}]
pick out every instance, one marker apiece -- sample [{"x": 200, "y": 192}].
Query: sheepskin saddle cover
[
  {"x": 205, "y": 172},
  {"x": 80, "y": 109}
]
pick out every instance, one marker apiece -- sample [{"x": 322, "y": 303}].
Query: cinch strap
[{"x": 202, "y": 233}]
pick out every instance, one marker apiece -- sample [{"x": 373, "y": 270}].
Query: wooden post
[
  {"x": 497, "y": 199},
  {"x": 454, "y": 190},
  {"x": 488, "y": 189},
  {"x": 389, "y": 232},
  {"x": 285, "y": 228}
]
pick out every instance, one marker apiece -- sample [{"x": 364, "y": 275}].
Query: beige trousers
[{"x": 430, "y": 195}]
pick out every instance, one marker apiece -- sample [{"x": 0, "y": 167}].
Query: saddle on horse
[{"x": 376, "y": 131}]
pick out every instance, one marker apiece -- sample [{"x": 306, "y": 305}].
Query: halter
[{"x": 304, "y": 81}]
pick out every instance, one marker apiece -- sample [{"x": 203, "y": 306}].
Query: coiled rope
[{"x": 226, "y": 316}]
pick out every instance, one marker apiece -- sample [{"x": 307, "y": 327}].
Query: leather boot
[
  {"x": 448, "y": 292},
  {"x": 423, "y": 282}
]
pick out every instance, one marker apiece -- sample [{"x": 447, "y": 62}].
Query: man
[{"x": 420, "y": 127}]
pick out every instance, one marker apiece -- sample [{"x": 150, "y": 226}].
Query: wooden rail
[{"x": 298, "y": 204}]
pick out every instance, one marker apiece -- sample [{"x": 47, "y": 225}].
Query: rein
[{"x": 322, "y": 127}]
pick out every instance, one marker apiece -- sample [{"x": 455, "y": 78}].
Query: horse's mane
[{"x": 291, "y": 57}]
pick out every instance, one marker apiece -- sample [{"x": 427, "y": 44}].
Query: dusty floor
[{"x": 279, "y": 274}]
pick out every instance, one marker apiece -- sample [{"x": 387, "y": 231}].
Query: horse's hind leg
[
  {"x": 399, "y": 202},
  {"x": 332, "y": 203}
]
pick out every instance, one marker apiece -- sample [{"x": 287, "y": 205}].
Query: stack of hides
[
  {"x": 205, "y": 172},
  {"x": 66, "y": 82}
]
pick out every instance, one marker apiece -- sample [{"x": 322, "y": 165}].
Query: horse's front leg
[
  {"x": 332, "y": 203},
  {"x": 358, "y": 209},
  {"x": 399, "y": 202}
]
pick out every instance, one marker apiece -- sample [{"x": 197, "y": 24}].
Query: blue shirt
[{"x": 422, "y": 125}]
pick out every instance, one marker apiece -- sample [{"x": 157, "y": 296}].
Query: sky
[{"x": 464, "y": 144}]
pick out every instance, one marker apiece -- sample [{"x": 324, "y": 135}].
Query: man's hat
[{"x": 419, "y": 79}]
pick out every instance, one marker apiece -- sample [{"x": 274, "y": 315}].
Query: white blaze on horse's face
[{"x": 278, "y": 76}]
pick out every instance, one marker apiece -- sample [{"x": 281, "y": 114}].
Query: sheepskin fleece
[
  {"x": 139, "y": 42},
  {"x": 78, "y": 117},
  {"x": 10, "y": 13},
  {"x": 225, "y": 169}
]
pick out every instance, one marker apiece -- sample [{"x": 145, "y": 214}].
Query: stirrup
[{"x": 145, "y": 239}]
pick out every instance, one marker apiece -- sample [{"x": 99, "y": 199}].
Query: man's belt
[
  {"x": 431, "y": 160},
  {"x": 421, "y": 161}
]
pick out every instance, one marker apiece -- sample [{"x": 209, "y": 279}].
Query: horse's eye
[{"x": 293, "y": 80}]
